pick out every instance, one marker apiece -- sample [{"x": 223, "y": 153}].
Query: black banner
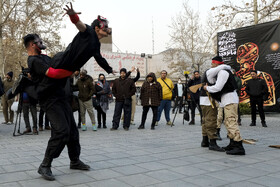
[{"x": 254, "y": 48}]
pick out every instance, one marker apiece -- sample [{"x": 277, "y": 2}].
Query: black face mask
[{"x": 39, "y": 43}]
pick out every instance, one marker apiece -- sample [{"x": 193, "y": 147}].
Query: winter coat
[
  {"x": 102, "y": 89},
  {"x": 151, "y": 93},
  {"x": 123, "y": 88},
  {"x": 86, "y": 88}
]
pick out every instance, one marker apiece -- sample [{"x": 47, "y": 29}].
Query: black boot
[
  {"x": 253, "y": 123},
  {"x": 104, "y": 126},
  {"x": 45, "y": 169},
  {"x": 214, "y": 147},
  {"x": 99, "y": 126},
  {"x": 238, "y": 149},
  {"x": 141, "y": 127},
  {"x": 78, "y": 164},
  {"x": 218, "y": 134},
  {"x": 205, "y": 141},
  {"x": 229, "y": 146},
  {"x": 264, "y": 124},
  {"x": 192, "y": 122}
]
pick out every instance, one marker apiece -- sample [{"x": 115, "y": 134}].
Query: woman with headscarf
[{"x": 103, "y": 93}]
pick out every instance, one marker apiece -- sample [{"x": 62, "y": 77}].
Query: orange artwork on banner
[{"x": 247, "y": 57}]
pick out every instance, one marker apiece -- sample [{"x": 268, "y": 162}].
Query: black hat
[
  {"x": 10, "y": 74},
  {"x": 218, "y": 58},
  {"x": 101, "y": 74},
  {"x": 123, "y": 70}
]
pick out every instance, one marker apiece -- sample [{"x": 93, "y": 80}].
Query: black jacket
[
  {"x": 123, "y": 88},
  {"x": 256, "y": 88}
]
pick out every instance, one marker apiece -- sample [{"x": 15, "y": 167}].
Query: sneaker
[
  {"x": 46, "y": 173},
  {"x": 169, "y": 123},
  {"x": 126, "y": 128},
  {"x": 4, "y": 122},
  {"x": 141, "y": 127},
  {"x": 48, "y": 128},
  {"x": 9, "y": 123},
  {"x": 132, "y": 123},
  {"x": 94, "y": 127},
  {"x": 156, "y": 124},
  {"x": 104, "y": 126},
  {"x": 79, "y": 165},
  {"x": 84, "y": 127}
]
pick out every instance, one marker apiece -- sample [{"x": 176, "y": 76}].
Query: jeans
[
  {"x": 26, "y": 107},
  {"x": 145, "y": 112},
  {"x": 166, "y": 106},
  {"x": 119, "y": 106}
]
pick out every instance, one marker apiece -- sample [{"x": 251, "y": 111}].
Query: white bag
[{"x": 14, "y": 106}]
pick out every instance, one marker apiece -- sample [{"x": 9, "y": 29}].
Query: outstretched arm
[{"x": 75, "y": 18}]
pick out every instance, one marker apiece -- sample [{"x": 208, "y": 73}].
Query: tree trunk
[{"x": 256, "y": 19}]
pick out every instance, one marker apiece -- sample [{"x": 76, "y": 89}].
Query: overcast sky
[{"x": 131, "y": 21}]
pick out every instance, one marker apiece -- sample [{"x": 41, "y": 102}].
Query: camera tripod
[
  {"x": 185, "y": 107},
  {"x": 18, "y": 117}
]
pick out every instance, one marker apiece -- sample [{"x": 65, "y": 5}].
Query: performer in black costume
[{"x": 50, "y": 76}]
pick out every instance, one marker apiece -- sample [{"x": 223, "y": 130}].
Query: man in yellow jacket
[{"x": 165, "y": 104}]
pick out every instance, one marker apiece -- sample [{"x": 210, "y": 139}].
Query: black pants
[
  {"x": 178, "y": 102},
  {"x": 194, "y": 105},
  {"x": 100, "y": 113},
  {"x": 119, "y": 106},
  {"x": 26, "y": 107},
  {"x": 41, "y": 117},
  {"x": 253, "y": 102},
  {"x": 64, "y": 130},
  {"x": 145, "y": 112}
]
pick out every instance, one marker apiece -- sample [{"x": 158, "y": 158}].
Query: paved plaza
[{"x": 167, "y": 156}]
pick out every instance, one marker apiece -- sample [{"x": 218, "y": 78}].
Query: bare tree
[
  {"x": 20, "y": 17},
  {"x": 234, "y": 14},
  {"x": 191, "y": 42}
]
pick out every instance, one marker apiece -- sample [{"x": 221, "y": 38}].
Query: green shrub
[{"x": 244, "y": 108}]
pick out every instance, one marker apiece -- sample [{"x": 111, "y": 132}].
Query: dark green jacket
[{"x": 86, "y": 88}]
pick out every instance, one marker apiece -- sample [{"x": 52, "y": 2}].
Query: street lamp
[{"x": 143, "y": 55}]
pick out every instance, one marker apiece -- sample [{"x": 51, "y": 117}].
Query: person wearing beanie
[
  {"x": 86, "y": 91},
  {"x": 133, "y": 105},
  {"x": 123, "y": 89},
  {"x": 10, "y": 74},
  {"x": 6, "y": 104},
  {"x": 223, "y": 89}
]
